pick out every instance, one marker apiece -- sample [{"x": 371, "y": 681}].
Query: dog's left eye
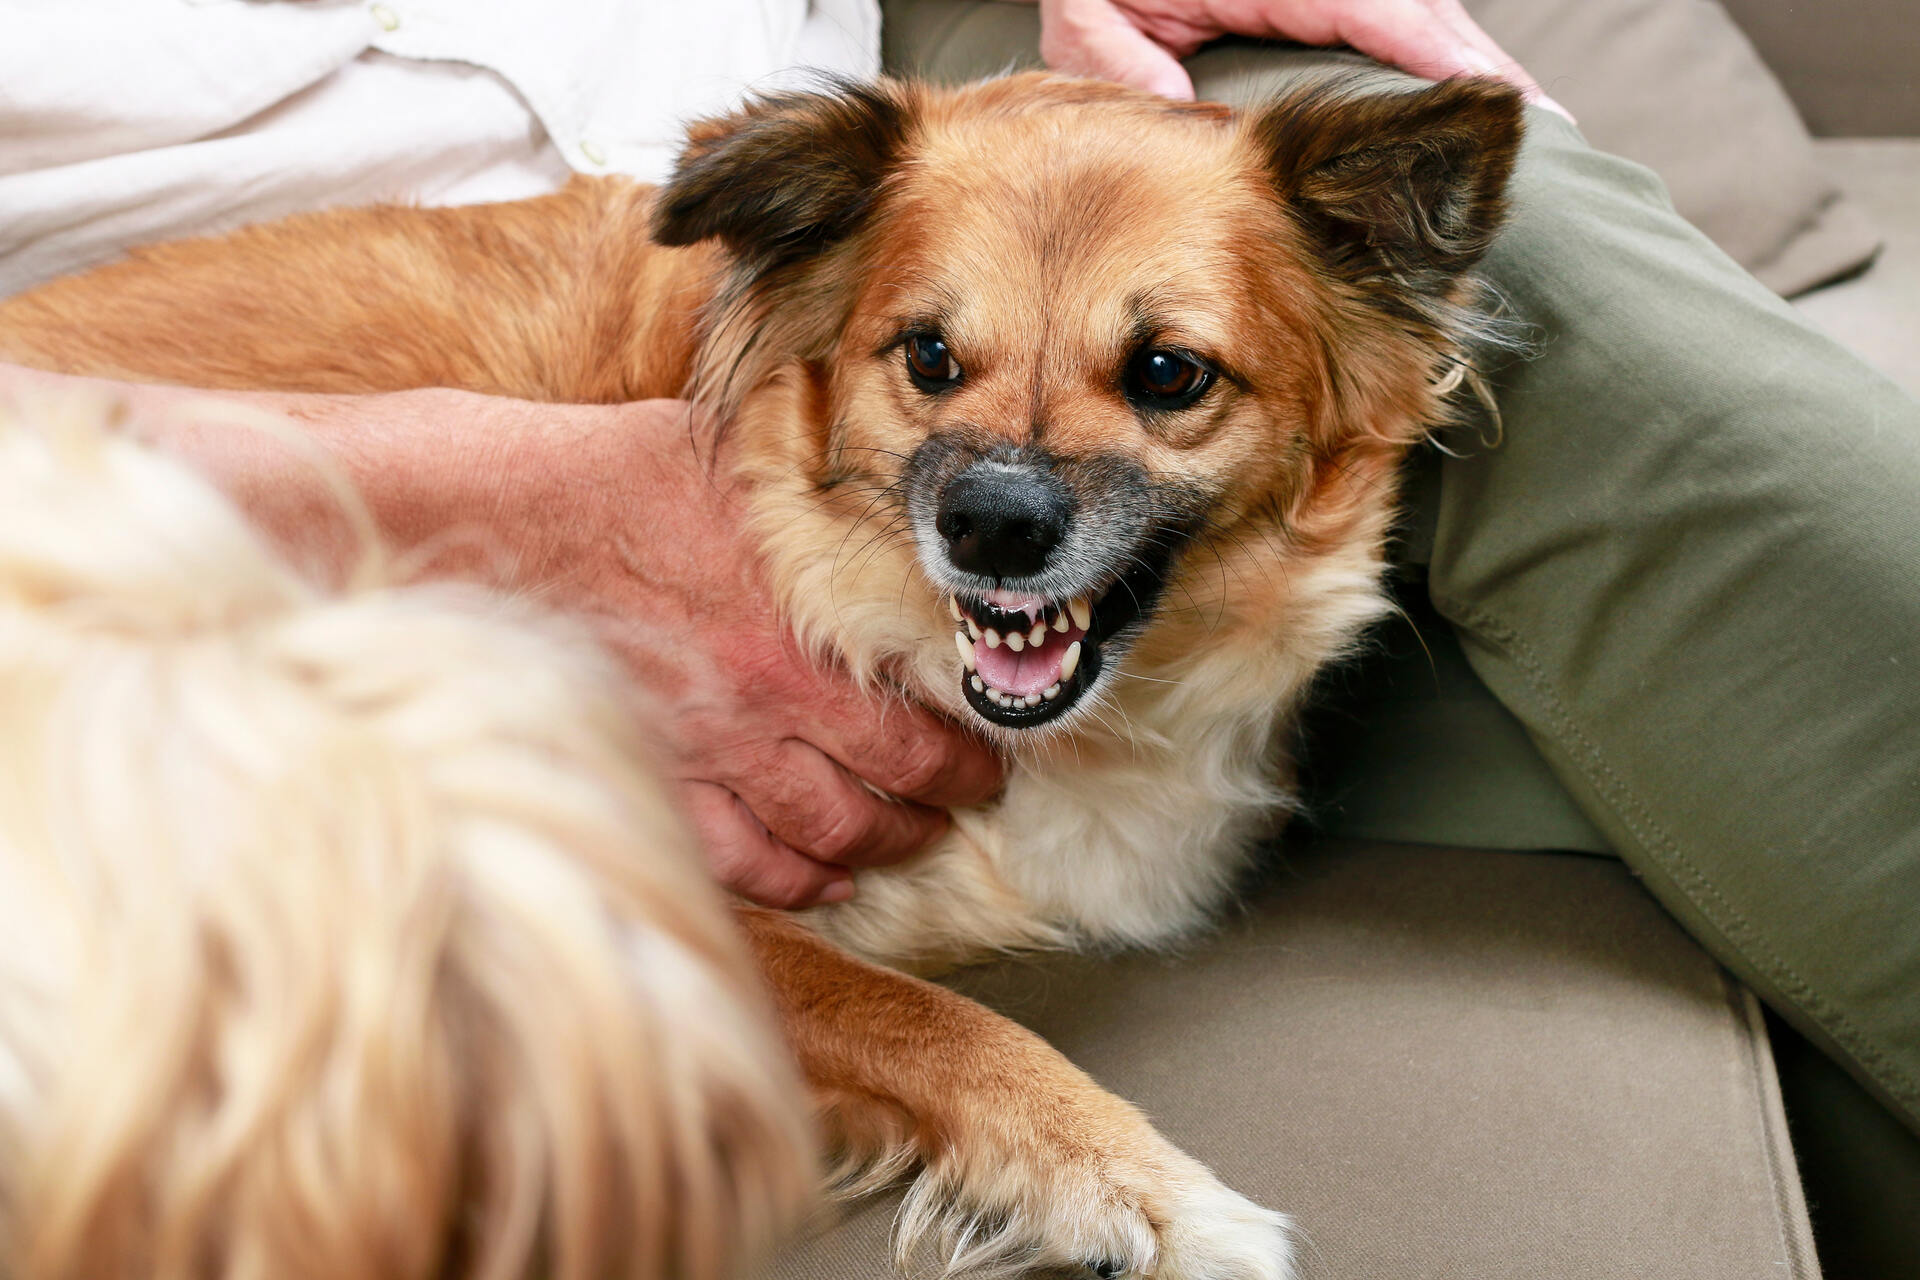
[
  {"x": 1161, "y": 379},
  {"x": 929, "y": 363}
]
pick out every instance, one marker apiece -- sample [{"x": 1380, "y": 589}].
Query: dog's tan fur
[{"x": 1316, "y": 250}]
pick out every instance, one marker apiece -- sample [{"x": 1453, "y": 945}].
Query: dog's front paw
[
  {"x": 1218, "y": 1234},
  {"x": 1132, "y": 1208}
]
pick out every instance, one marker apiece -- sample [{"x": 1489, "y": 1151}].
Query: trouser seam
[{"x": 1659, "y": 845}]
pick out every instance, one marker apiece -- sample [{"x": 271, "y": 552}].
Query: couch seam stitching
[{"x": 1746, "y": 1017}]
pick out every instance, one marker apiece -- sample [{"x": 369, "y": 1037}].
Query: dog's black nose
[{"x": 1001, "y": 522}]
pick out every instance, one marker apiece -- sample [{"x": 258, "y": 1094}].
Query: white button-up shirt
[{"x": 124, "y": 122}]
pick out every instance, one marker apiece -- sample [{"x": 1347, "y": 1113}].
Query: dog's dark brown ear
[
  {"x": 787, "y": 174},
  {"x": 1404, "y": 189}
]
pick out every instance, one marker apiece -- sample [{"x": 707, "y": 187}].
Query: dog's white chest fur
[{"x": 1131, "y": 836}]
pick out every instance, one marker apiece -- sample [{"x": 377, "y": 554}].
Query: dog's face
[{"x": 1065, "y": 334}]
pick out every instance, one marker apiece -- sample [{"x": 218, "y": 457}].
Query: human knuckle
[
  {"x": 772, "y": 888},
  {"x": 840, "y": 826},
  {"x": 731, "y": 863},
  {"x": 920, "y": 766}
]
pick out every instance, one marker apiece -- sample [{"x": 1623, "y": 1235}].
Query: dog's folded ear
[
  {"x": 786, "y": 174},
  {"x": 1403, "y": 190}
]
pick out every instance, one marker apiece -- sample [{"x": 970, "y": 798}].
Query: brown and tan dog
[{"x": 1135, "y": 376}]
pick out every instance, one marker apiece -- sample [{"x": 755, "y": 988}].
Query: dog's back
[{"x": 562, "y": 298}]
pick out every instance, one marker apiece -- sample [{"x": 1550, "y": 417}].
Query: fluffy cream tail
[{"x": 342, "y": 935}]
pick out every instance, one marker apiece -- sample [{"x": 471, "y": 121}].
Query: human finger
[
  {"x": 903, "y": 749},
  {"x": 1097, "y": 41},
  {"x": 744, "y": 856},
  {"x": 1499, "y": 62},
  {"x": 1412, "y": 36},
  {"x": 815, "y": 806}
]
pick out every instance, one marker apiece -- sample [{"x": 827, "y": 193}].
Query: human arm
[{"x": 607, "y": 514}]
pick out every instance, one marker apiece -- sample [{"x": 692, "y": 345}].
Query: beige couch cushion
[
  {"x": 1878, "y": 314},
  {"x": 1445, "y": 1064},
  {"x": 1849, "y": 65},
  {"x": 1675, "y": 85}
]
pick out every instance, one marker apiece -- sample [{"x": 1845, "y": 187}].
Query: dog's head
[{"x": 1065, "y": 334}]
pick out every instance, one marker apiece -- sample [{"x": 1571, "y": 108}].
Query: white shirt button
[
  {"x": 593, "y": 152},
  {"x": 387, "y": 18}
]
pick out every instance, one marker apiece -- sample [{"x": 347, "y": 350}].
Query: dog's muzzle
[{"x": 1049, "y": 562}]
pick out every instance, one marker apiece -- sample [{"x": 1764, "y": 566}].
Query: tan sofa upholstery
[
  {"x": 1878, "y": 312},
  {"x": 1446, "y": 1064},
  {"x": 1852, "y": 68}
]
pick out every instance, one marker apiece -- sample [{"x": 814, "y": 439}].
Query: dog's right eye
[
  {"x": 1160, "y": 378},
  {"x": 929, "y": 363}
]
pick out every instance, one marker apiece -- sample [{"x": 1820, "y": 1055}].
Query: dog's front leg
[{"x": 1024, "y": 1161}]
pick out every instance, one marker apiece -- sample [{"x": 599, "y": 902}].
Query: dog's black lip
[{"x": 1125, "y": 603}]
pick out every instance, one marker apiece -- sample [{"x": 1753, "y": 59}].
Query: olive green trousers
[{"x": 1688, "y": 571}]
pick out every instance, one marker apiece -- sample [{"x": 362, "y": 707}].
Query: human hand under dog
[
  {"x": 779, "y": 760},
  {"x": 605, "y": 513},
  {"x": 1141, "y": 42}
]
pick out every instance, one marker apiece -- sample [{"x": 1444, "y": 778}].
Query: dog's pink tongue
[{"x": 1022, "y": 674}]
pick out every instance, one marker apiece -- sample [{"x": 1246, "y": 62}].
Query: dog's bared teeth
[
  {"x": 999, "y": 699},
  {"x": 1070, "y": 663},
  {"x": 1015, "y": 641},
  {"x": 973, "y": 628},
  {"x": 1060, "y": 622},
  {"x": 978, "y": 685},
  {"x": 966, "y": 649},
  {"x": 953, "y": 607},
  {"x": 1038, "y": 636},
  {"x": 1082, "y": 613},
  {"x": 1051, "y": 692},
  {"x": 993, "y": 638}
]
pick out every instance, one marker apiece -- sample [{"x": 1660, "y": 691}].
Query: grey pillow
[{"x": 1675, "y": 85}]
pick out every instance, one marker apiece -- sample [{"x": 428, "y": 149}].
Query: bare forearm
[
  {"x": 429, "y": 465},
  {"x": 610, "y": 514}
]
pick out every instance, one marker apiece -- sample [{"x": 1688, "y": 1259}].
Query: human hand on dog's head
[{"x": 1141, "y": 42}]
